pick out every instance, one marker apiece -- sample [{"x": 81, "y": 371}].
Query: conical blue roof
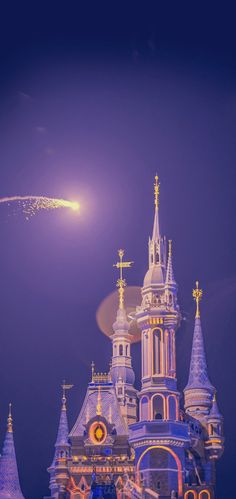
[
  {"x": 198, "y": 375},
  {"x": 214, "y": 412},
  {"x": 9, "y": 478},
  {"x": 63, "y": 429}
]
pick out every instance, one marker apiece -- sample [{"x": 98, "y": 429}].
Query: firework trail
[{"x": 30, "y": 205}]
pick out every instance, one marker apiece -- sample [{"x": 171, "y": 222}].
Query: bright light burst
[{"x": 30, "y": 205}]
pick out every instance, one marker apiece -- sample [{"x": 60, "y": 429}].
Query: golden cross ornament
[
  {"x": 156, "y": 191},
  {"x": 197, "y": 295},
  {"x": 121, "y": 282}
]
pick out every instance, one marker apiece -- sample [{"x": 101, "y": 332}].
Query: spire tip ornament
[
  {"x": 121, "y": 282},
  {"x": 64, "y": 388},
  {"x": 156, "y": 191},
  {"x": 9, "y": 420},
  {"x": 197, "y": 295}
]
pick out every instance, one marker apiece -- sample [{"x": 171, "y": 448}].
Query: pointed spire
[
  {"x": 214, "y": 412},
  {"x": 170, "y": 279},
  {"x": 63, "y": 428},
  {"x": 198, "y": 375},
  {"x": 9, "y": 478},
  {"x": 156, "y": 229}
]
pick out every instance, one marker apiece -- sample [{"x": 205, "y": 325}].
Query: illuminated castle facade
[{"x": 139, "y": 445}]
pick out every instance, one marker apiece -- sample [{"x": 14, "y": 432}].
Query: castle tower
[
  {"x": 199, "y": 391},
  {"x": 122, "y": 373},
  {"x": 159, "y": 437},
  {"x": 58, "y": 470},
  {"x": 158, "y": 318},
  {"x": 9, "y": 478}
]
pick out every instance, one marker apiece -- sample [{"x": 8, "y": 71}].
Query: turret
[
  {"x": 58, "y": 470},
  {"x": 122, "y": 373},
  {"x": 9, "y": 478},
  {"x": 199, "y": 391},
  {"x": 214, "y": 444}
]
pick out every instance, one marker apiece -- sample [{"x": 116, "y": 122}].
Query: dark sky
[{"x": 94, "y": 101}]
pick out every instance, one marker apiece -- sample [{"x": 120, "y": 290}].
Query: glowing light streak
[{"x": 30, "y": 205}]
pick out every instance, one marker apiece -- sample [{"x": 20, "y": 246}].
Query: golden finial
[
  {"x": 9, "y": 420},
  {"x": 121, "y": 283},
  {"x": 156, "y": 191},
  {"x": 197, "y": 295},
  {"x": 92, "y": 367},
  {"x": 99, "y": 405},
  {"x": 64, "y": 388}
]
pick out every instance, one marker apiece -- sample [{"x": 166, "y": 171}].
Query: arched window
[
  {"x": 144, "y": 409},
  {"x": 145, "y": 353},
  {"x": 190, "y": 494},
  {"x": 120, "y": 349},
  {"x": 126, "y": 350},
  {"x": 157, "y": 354},
  {"x": 204, "y": 494},
  {"x": 172, "y": 408},
  {"x": 158, "y": 407}
]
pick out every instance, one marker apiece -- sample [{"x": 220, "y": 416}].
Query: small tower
[
  {"x": 9, "y": 478},
  {"x": 199, "y": 391},
  {"x": 122, "y": 373},
  {"x": 214, "y": 444},
  {"x": 58, "y": 470}
]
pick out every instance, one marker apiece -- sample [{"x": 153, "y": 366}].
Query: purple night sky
[{"x": 93, "y": 103}]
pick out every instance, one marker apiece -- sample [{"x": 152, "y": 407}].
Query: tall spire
[
  {"x": 156, "y": 273},
  {"x": 156, "y": 229},
  {"x": 9, "y": 478},
  {"x": 170, "y": 279},
  {"x": 198, "y": 375},
  {"x": 121, "y": 366},
  {"x": 63, "y": 429}
]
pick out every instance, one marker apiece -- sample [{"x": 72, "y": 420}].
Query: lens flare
[
  {"x": 107, "y": 310},
  {"x": 30, "y": 205}
]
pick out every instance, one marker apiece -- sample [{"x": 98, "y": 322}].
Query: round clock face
[{"x": 98, "y": 432}]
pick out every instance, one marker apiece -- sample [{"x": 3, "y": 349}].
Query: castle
[{"x": 143, "y": 445}]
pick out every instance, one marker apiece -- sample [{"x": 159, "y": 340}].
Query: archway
[
  {"x": 204, "y": 494},
  {"x": 190, "y": 494},
  {"x": 176, "y": 458}
]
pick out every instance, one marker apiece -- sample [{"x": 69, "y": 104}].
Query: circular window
[{"x": 98, "y": 432}]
